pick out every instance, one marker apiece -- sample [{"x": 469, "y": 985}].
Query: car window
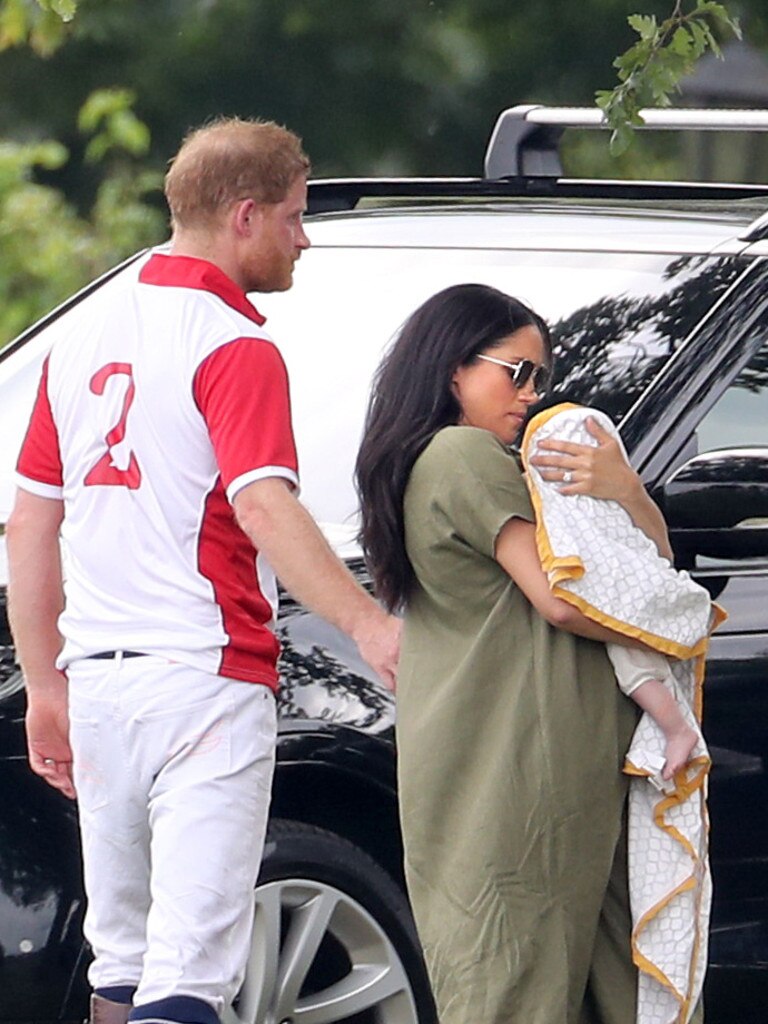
[
  {"x": 608, "y": 351},
  {"x": 740, "y": 416},
  {"x": 738, "y": 420},
  {"x": 616, "y": 318}
]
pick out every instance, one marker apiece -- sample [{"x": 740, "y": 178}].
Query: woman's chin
[{"x": 507, "y": 436}]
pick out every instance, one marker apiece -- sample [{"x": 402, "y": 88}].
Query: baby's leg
[
  {"x": 639, "y": 673},
  {"x": 653, "y": 697}
]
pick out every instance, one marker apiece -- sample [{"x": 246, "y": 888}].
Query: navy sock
[
  {"x": 117, "y": 993},
  {"x": 178, "y": 1009}
]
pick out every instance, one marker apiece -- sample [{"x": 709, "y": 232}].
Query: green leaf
[
  {"x": 645, "y": 25},
  {"x": 97, "y": 149},
  {"x": 711, "y": 7},
  {"x": 129, "y": 133},
  {"x": 711, "y": 42},
  {"x": 651, "y": 70},
  {"x": 107, "y": 115},
  {"x": 699, "y": 36},
  {"x": 47, "y": 34},
  {"x": 64, "y": 9},
  {"x": 14, "y": 24},
  {"x": 50, "y": 154},
  {"x": 681, "y": 42},
  {"x": 720, "y": 14},
  {"x": 637, "y": 54},
  {"x": 621, "y": 139},
  {"x": 603, "y": 98},
  {"x": 101, "y": 105}
]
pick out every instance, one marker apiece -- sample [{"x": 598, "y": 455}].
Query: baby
[{"x": 597, "y": 559}]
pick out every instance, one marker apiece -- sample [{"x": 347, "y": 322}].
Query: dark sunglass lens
[{"x": 522, "y": 374}]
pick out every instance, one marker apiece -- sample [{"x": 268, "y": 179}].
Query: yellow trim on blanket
[
  {"x": 684, "y": 789},
  {"x": 558, "y": 569},
  {"x": 659, "y": 643},
  {"x": 691, "y": 882},
  {"x": 691, "y": 779},
  {"x": 648, "y": 966},
  {"x": 545, "y": 416}
]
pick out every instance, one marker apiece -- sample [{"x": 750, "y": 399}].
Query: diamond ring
[
  {"x": 567, "y": 476},
  {"x": 48, "y": 760}
]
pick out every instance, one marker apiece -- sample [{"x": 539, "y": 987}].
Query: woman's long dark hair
[{"x": 412, "y": 398}]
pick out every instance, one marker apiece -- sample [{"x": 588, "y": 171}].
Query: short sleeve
[
  {"x": 39, "y": 469},
  {"x": 478, "y": 486},
  {"x": 242, "y": 392}
]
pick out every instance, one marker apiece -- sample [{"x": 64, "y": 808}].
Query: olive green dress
[{"x": 511, "y": 740}]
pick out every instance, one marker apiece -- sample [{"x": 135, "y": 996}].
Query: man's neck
[{"x": 211, "y": 249}]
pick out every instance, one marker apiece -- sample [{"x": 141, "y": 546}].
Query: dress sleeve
[
  {"x": 39, "y": 467},
  {"x": 479, "y": 486},
  {"x": 242, "y": 392}
]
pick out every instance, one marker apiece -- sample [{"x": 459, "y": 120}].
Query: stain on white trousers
[{"x": 173, "y": 771}]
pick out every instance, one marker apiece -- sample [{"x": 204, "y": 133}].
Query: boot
[{"x": 104, "y": 1011}]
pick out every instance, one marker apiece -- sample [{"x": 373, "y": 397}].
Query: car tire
[{"x": 333, "y": 938}]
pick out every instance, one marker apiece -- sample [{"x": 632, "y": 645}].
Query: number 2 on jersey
[{"x": 105, "y": 472}]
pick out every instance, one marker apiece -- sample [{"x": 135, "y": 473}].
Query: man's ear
[{"x": 246, "y": 216}]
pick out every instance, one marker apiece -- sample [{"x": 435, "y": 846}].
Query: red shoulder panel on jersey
[
  {"x": 40, "y": 457},
  {"x": 242, "y": 391}
]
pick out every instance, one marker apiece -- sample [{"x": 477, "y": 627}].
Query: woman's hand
[{"x": 600, "y": 470}]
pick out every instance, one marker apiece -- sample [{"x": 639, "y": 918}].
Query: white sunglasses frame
[{"x": 537, "y": 368}]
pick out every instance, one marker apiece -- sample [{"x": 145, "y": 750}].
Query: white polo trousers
[{"x": 173, "y": 771}]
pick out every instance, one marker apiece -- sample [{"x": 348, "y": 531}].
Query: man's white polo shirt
[{"x": 159, "y": 401}]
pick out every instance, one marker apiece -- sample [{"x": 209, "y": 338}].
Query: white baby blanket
[{"x": 599, "y": 561}]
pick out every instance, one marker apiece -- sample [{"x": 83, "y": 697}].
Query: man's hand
[
  {"x": 35, "y": 601},
  {"x": 378, "y": 641},
  {"x": 50, "y": 755},
  {"x": 280, "y": 527}
]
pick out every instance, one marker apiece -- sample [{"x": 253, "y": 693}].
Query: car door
[
  {"x": 702, "y": 443},
  {"x": 41, "y": 903}
]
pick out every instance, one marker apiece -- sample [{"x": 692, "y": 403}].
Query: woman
[{"x": 511, "y": 730}]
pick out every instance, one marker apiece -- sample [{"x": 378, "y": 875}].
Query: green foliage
[
  {"x": 64, "y": 8},
  {"x": 381, "y": 87},
  {"x": 108, "y": 116},
  {"x": 39, "y": 23},
  {"x": 49, "y": 249},
  {"x": 653, "y": 67}
]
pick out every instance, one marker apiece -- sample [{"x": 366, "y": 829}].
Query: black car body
[{"x": 657, "y": 296}]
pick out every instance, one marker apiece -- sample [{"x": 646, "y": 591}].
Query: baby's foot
[{"x": 678, "y": 750}]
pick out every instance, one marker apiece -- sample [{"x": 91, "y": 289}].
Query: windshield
[{"x": 615, "y": 320}]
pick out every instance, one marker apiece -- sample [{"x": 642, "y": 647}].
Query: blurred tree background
[{"x": 92, "y": 108}]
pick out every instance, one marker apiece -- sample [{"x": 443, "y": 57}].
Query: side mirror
[{"x": 717, "y": 504}]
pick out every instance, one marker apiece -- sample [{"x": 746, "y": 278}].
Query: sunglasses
[{"x": 522, "y": 371}]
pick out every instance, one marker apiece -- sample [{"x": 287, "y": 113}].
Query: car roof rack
[
  {"x": 525, "y": 140},
  {"x": 337, "y": 195}
]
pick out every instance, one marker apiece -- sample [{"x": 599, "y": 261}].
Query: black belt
[{"x": 112, "y": 654}]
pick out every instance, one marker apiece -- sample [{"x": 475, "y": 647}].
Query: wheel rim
[{"x": 318, "y": 957}]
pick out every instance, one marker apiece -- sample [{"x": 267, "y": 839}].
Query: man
[{"x": 160, "y": 446}]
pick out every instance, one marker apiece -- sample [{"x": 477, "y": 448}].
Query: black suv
[{"x": 657, "y": 295}]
